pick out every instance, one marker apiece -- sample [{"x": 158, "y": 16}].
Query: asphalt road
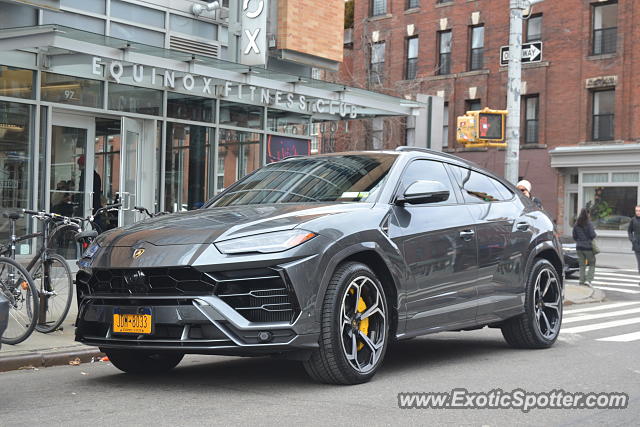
[{"x": 207, "y": 390}]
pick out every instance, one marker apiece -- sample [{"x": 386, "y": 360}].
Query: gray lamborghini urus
[{"x": 327, "y": 260}]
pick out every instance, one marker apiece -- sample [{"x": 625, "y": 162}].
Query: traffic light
[{"x": 484, "y": 128}]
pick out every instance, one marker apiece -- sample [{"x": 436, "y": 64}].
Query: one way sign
[{"x": 531, "y": 52}]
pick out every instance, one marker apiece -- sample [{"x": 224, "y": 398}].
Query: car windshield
[{"x": 335, "y": 178}]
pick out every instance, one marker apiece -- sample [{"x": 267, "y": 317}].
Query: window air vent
[{"x": 192, "y": 46}]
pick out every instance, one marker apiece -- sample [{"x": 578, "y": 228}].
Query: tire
[
  {"x": 18, "y": 287},
  {"x": 143, "y": 362},
  {"x": 539, "y": 325},
  {"x": 57, "y": 291},
  {"x": 353, "y": 292}
]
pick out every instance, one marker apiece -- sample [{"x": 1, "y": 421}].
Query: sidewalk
[{"x": 42, "y": 350}]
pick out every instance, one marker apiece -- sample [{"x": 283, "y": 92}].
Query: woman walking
[{"x": 583, "y": 234}]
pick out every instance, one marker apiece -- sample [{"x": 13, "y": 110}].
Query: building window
[
  {"x": 610, "y": 197},
  {"x": 16, "y": 165},
  {"x": 378, "y": 7},
  {"x": 473, "y": 105},
  {"x": 531, "y": 105},
  {"x": 412, "y": 58},
  {"x": 603, "y": 115},
  {"x": 444, "y": 49},
  {"x": 534, "y": 28},
  {"x": 376, "y": 68},
  {"x": 412, "y": 4},
  {"x": 476, "y": 48},
  {"x": 445, "y": 126},
  {"x": 605, "y": 28}
]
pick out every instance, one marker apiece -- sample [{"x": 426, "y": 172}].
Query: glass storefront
[
  {"x": 187, "y": 166},
  {"x": 611, "y": 198},
  {"x": 238, "y": 155},
  {"x": 71, "y": 90},
  {"x": 16, "y": 164},
  {"x": 16, "y": 82}
]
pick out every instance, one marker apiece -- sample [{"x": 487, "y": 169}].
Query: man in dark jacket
[{"x": 634, "y": 235}]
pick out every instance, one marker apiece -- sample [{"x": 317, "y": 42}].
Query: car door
[
  {"x": 500, "y": 242},
  {"x": 439, "y": 247}
]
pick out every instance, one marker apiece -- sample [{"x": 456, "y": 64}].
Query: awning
[
  {"x": 199, "y": 74},
  {"x": 595, "y": 156}
]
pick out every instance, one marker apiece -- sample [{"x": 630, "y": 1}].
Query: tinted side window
[
  {"x": 503, "y": 190},
  {"x": 428, "y": 170},
  {"x": 476, "y": 187}
]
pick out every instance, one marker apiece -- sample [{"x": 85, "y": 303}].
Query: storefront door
[
  {"x": 73, "y": 185},
  {"x": 130, "y": 171}
]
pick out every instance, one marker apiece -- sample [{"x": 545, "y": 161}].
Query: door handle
[
  {"x": 467, "y": 234},
  {"x": 522, "y": 226}
]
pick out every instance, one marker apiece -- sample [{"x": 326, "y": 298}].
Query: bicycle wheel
[
  {"x": 53, "y": 280},
  {"x": 18, "y": 287}
]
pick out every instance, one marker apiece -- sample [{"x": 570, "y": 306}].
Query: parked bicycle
[
  {"x": 49, "y": 271},
  {"x": 20, "y": 290}
]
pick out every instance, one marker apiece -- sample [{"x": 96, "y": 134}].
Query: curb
[
  {"x": 596, "y": 295},
  {"x": 47, "y": 359}
]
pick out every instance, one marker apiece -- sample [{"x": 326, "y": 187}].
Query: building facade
[
  {"x": 151, "y": 104},
  {"x": 580, "y": 90}
]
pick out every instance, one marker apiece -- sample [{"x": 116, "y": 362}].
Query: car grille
[
  {"x": 259, "y": 295},
  {"x": 148, "y": 281}
]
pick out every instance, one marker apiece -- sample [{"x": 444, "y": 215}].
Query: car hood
[{"x": 204, "y": 226}]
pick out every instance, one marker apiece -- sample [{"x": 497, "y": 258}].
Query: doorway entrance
[{"x": 96, "y": 161}]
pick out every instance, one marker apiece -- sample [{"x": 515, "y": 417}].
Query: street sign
[{"x": 531, "y": 52}]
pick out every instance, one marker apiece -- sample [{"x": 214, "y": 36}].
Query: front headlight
[{"x": 267, "y": 243}]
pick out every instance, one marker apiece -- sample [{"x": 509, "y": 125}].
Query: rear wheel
[
  {"x": 354, "y": 328},
  {"x": 18, "y": 288},
  {"x": 539, "y": 325},
  {"x": 54, "y": 281},
  {"x": 143, "y": 362}
]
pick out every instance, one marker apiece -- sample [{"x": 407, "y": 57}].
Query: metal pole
[{"x": 512, "y": 155}]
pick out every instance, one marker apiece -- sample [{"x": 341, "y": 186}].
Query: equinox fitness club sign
[{"x": 201, "y": 85}]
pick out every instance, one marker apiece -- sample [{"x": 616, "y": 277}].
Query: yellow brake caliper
[{"x": 363, "y": 326}]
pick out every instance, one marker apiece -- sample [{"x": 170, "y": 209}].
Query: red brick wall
[
  {"x": 312, "y": 27},
  {"x": 560, "y": 79}
]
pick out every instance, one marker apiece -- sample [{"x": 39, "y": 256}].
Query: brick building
[{"x": 580, "y": 125}]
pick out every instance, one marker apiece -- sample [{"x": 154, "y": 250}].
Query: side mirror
[{"x": 424, "y": 192}]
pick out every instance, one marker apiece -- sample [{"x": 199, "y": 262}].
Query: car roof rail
[
  {"x": 429, "y": 151},
  {"x": 459, "y": 160}
]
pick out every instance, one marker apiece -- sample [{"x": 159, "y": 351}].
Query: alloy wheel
[
  {"x": 547, "y": 299},
  {"x": 363, "y": 324}
]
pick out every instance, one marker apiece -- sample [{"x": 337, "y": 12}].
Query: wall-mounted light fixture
[{"x": 197, "y": 8}]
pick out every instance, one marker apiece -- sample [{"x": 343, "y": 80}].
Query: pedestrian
[
  {"x": 584, "y": 234},
  {"x": 525, "y": 187},
  {"x": 634, "y": 235}
]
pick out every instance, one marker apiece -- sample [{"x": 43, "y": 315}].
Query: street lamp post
[{"x": 512, "y": 155}]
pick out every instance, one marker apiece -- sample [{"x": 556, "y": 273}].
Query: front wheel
[
  {"x": 354, "y": 328},
  {"x": 55, "y": 283},
  {"x": 143, "y": 362},
  {"x": 18, "y": 288},
  {"x": 539, "y": 325}
]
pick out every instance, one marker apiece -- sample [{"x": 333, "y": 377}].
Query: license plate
[{"x": 132, "y": 323}]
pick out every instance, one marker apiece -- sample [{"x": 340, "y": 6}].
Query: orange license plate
[{"x": 138, "y": 323}]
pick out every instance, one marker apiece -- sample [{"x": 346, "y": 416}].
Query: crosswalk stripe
[
  {"x": 633, "y": 336},
  {"x": 625, "y": 291},
  {"x": 617, "y": 279},
  {"x": 602, "y": 282},
  {"x": 601, "y": 307},
  {"x": 622, "y": 276},
  {"x": 583, "y": 317},
  {"x": 629, "y": 285},
  {"x": 597, "y": 326}
]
